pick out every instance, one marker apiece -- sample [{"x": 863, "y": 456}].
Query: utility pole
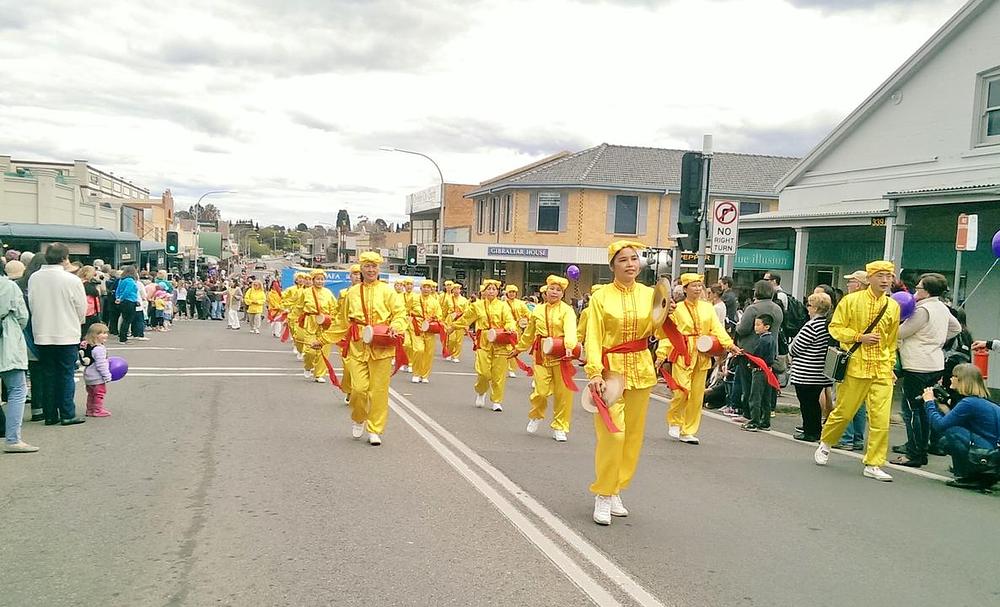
[{"x": 703, "y": 225}]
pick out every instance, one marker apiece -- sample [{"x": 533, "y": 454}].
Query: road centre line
[
  {"x": 611, "y": 570},
  {"x": 299, "y": 369},
  {"x": 789, "y": 437},
  {"x": 584, "y": 581}
]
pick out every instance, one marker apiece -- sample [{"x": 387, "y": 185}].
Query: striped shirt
[{"x": 808, "y": 351}]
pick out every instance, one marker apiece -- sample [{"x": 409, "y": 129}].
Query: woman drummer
[
  {"x": 554, "y": 371},
  {"x": 424, "y": 309},
  {"x": 491, "y": 317},
  {"x": 618, "y": 329}
]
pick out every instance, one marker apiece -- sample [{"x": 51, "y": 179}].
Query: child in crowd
[
  {"x": 760, "y": 391},
  {"x": 96, "y": 372},
  {"x": 181, "y": 292},
  {"x": 159, "y": 305}
]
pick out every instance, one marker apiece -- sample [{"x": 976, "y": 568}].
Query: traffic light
[
  {"x": 171, "y": 243},
  {"x": 689, "y": 201},
  {"x": 411, "y": 255}
]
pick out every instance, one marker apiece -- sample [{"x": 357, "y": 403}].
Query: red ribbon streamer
[
  {"x": 567, "y": 371},
  {"x": 765, "y": 368},
  {"x": 677, "y": 341},
  {"x": 286, "y": 333},
  {"x": 401, "y": 358},
  {"x": 671, "y": 382},
  {"x": 602, "y": 410},
  {"x": 529, "y": 371},
  {"x": 334, "y": 382}
]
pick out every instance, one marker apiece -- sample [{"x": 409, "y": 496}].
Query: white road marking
[
  {"x": 128, "y": 346},
  {"x": 789, "y": 437},
  {"x": 591, "y": 553}
]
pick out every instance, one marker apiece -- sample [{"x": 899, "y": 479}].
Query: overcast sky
[{"x": 288, "y": 101}]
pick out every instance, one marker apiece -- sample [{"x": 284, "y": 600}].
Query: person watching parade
[{"x": 491, "y": 357}]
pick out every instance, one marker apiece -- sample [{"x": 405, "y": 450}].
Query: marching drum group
[{"x": 381, "y": 329}]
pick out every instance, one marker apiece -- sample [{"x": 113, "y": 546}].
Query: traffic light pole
[{"x": 705, "y": 207}]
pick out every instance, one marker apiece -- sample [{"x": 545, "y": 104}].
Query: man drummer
[
  {"x": 409, "y": 298},
  {"x": 553, "y": 371},
  {"x": 521, "y": 314},
  {"x": 492, "y": 317},
  {"x": 371, "y": 303},
  {"x": 345, "y": 383},
  {"x": 424, "y": 309},
  {"x": 453, "y": 308},
  {"x": 693, "y": 317}
]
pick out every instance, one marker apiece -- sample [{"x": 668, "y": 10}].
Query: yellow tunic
[
  {"x": 581, "y": 325},
  {"x": 619, "y": 315},
  {"x": 551, "y": 320},
  {"x": 273, "y": 302},
  {"x": 421, "y": 308},
  {"x": 491, "y": 359},
  {"x": 853, "y": 315},
  {"x": 453, "y": 307},
  {"x": 254, "y": 300}
]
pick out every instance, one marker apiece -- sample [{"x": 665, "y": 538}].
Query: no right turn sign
[{"x": 725, "y": 227}]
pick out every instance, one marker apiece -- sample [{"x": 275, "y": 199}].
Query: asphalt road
[{"x": 225, "y": 478}]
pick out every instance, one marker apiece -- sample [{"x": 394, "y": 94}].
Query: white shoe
[
  {"x": 455, "y": 360},
  {"x": 481, "y": 400},
  {"x": 674, "y": 432},
  {"x": 319, "y": 380},
  {"x": 300, "y": 356},
  {"x": 374, "y": 440},
  {"x": 690, "y": 439},
  {"x": 357, "y": 430},
  {"x": 347, "y": 399},
  {"x": 424, "y": 380},
  {"x": 617, "y": 507},
  {"x": 294, "y": 351},
  {"x": 307, "y": 374},
  {"x": 533, "y": 425},
  {"x": 822, "y": 455},
  {"x": 559, "y": 436},
  {"x": 511, "y": 374},
  {"x": 407, "y": 369},
  {"x": 415, "y": 379},
  {"x": 496, "y": 406},
  {"x": 877, "y": 473},
  {"x": 602, "y": 509}
]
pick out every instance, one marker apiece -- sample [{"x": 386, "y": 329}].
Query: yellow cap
[
  {"x": 371, "y": 257},
  {"x": 880, "y": 266},
  {"x": 689, "y": 277},
  {"x": 428, "y": 283},
  {"x": 489, "y": 282},
  {"x": 595, "y": 288},
  {"x": 355, "y": 268},
  {"x": 543, "y": 288},
  {"x": 557, "y": 280},
  {"x": 299, "y": 275},
  {"x": 449, "y": 283},
  {"x": 406, "y": 281},
  {"x": 510, "y": 289},
  {"x": 317, "y": 272},
  {"x": 618, "y": 245}
]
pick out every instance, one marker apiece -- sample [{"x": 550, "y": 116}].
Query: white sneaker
[
  {"x": 533, "y": 425},
  {"x": 674, "y": 432},
  {"x": 690, "y": 439},
  {"x": 300, "y": 356},
  {"x": 357, "y": 430},
  {"x": 424, "y": 380},
  {"x": 415, "y": 379},
  {"x": 347, "y": 399},
  {"x": 822, "y": 455},
  {"x": 511, "y": 374},
  {"x": 877, "y": 473},
  {"x": 307, "y": 374},
  {"x": 481, "y": 400},
  {"x": 496, "y": 406},
  {"x": 602, "y": 509},
  {"x": 374, "y": 440},
  {"x": 294, "y": 351},
  {"x": 617, "y": 507},
  {"x": 320, "y": 380},
  {"x": 19, "y": 447},
  {"x": 559, "y": 436}
]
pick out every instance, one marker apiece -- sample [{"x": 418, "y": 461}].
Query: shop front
[{"x": 85, "y": 243}]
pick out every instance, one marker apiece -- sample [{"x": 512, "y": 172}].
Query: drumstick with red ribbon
[{"x": 602, "y": 410}]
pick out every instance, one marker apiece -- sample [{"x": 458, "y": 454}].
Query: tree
[
  {"x": 381, "y": 225},
  {"x": 343, "y": 220},
  {"x": 318, "y": 231},
  {"x": 183, "y": 215},
  {"x": 209, "y": 212},
  {"x": 302, "y": 228}
]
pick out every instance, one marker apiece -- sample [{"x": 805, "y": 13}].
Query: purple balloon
[
  {"x": 907, "y": 305},
  {"x": 996, "y": 244},
  {"x": 573, "y": 273},
  {"x": 118, "y": 367}
]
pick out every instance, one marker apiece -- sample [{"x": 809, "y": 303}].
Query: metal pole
[
  {"x": 958, "y": 277},
  {"x": 440, "y": 269},
  {"x": 703, "y": 226}
]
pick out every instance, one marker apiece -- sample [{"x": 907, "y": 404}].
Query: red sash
[{"x": 629, "y": 347}]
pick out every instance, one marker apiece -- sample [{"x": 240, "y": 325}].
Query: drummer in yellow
[
  {"x": 453, "y": 307},
  {"x": 487, "y": 313},
  {"x": 409, "y": 298},
  {"x": 424, "y": 307},
  {"x": 291, "y": 304},
  {"x": 581, "y": 323},
  {"x": 554, "y": 318},
  {"x": 618, "y": 329},
  {"x": 519, "y": 310},
  {"x": 274, "y": 308},
  {"x": 355, "y": 277},
  {"x": 694, "y": 317},
  {"x": 319, "y": 312},
  {"x": 369, "y": 303}
]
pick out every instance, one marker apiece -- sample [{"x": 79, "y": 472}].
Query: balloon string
[{"x": 976, "y": 288}]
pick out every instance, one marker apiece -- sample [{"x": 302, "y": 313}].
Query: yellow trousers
[
  {"x": 491, "y": 373},
  {"x": 455, "y": 341},
  {"x": 685, "y": 409},
  {"x": 850, "y": 394},
  {"x": 617, "y": 455},
  {"x": 423, "y": 355},
  {"x": 370, "y": 392},
  {"x": 313, "y": 360},
  {"x": 549, "y": 382}
]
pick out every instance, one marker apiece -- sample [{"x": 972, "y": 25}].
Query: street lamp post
[
  {"x": 197, "y": 231},
  {"x": 440, "y": 246}
]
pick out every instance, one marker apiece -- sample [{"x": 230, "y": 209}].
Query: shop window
[
  {"x": 508, "y": 213},
  {"x": 494, "y": 212},
  {"x": 481, "y": 215},
  {"x": 626, "y": 214},
  {"x": 749, "y": 208},
  {"x": 987, "y": 130},
  {"x": 549, "y": 204}
]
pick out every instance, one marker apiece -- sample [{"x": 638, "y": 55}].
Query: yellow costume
[
  {"x": 410, "y": 341},
  {"x": 491, "y": 359},
  {"x": 519, "y": 310},
  {"x": 319, "y": 312},
  {"x": 254, "y": 300},
  {"x": 291, "y": 303},
  {"x": 551, "y": 320},
  {"x": 274, "y": 309},
  {"x": 620, "y": 319},
  {"x": 693, "y": 319},
  {"x": 369, "y": 367},
  {"x": 424, "y": 307},
  {"x": 453, "y": 308},
  {"x": 581, "y": 323},
  {"x": 869, "y": 371},
  {"x": 345, "y": 381}
]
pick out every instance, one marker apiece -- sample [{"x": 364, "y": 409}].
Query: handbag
[
  {"x": 985, "y": 462},
  {"x": 835, "y": 365}
]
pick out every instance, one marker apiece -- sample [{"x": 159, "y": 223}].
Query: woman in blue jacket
[
  {"x": 126, "y": 298},
  {"x": 974, "y": 421}
]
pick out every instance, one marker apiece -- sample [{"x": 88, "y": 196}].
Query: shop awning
[{"x": 55, "y": 231}]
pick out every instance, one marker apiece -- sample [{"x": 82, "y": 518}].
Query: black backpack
[{"x": 794, "y": 316}]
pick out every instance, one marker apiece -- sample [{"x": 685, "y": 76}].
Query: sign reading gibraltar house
[{"x": 517, "y": 252}]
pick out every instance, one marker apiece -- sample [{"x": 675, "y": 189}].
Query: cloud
[
  {"x": 794, "y": 138},
  {"x": 471, "y": 135},
  {"x": 833, "y": 6},
  {"x": 208, "y": 148},
  {"x": 312, "y": 122}
]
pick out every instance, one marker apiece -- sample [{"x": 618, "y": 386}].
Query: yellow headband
[
  {"x": 406, "y": 281},
  {"x": 543, "y": 288},
  {"x": 299, "y": 275},
  {"x": 371, "y": 257},
  {"x": 879, "y": 266},
  {"x": 355, "y": 268},
  {"x": 690, "y": 277},
  {"x": 595, "y": 289},
  {"x": 317, "y": 272},
  {"x": 489, "y": 282},
  {"x": 618, "y": 245},
  {"x": 557, "y": 280},
  {"x": 510, "y": 289},
  {"x": 428, "y": 283},
  {"x": 449, "y": 283}
]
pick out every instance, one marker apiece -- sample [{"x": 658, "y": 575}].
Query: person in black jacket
[{"x": 760, "y": 391}]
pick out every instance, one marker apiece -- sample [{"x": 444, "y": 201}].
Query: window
[
  {"x": 626, "y": 214},
  {"x": 93, "y": 179},
  {"x": 424, "y": 231},
  {"x": 988, "y": 104},
  {"x": 117, "y": 187},
  {"x": 481, "y": 215},
  {"x": 508, "y": 213},
  {"x": 549, "y": 204},
  {"x": 749, "y": 208},
  {"x": 494, "y": 212}
]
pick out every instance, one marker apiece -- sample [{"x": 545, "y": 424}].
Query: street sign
[
  {"x": 968, "y": 232},
  {"x": 459, "y": 274},
  {"x": 725, "y": 227},
  {"x": 421, "y": 254}
]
